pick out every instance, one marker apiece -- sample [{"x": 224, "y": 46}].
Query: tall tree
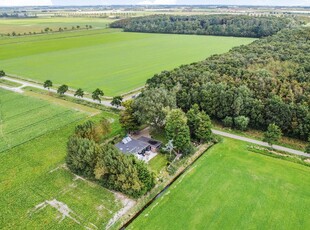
[
  {"x": 193, "y": 119},
  {"x": 273, "y": 134},
  {"x": 241, "y": 122},
  {"x": 128, "y": 119},
  {"x": 2, "y": 73},
  {"x": 79, "y": 93},
  {"x": 117, "y": 101},
  {"x": 203, "y": 131},
  {"x": 177, "y": 130},
  {"x": 62, "y": 89},
  {"x": 152, "y": 104},
  {"x": 97, "y": 94},
  {"x": 87, "y": 130},
  {"x": 48, "y": 84},
  {"x": 81, "y": 156}
]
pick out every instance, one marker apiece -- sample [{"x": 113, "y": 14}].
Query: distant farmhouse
[{"x": 141, "y": 147}]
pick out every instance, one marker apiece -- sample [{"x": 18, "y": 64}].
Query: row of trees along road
[
  {"x": 219, "y": 25},
  {"x": 87, "y": 156},
  {"x": 96, "y": 95}
]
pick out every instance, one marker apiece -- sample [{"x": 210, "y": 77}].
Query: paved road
[
  {"x": 108, "y": 103},
  {"x": 261, "y": 143}
]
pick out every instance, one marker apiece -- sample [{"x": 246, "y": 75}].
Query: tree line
[
  {"x": 264, "y": 83},
  {"x": 220, "y": 25},
  {"x": 49, "y": 30},
  {"x": 96, "y": 95},
  {"x": 104, "y": 163}
]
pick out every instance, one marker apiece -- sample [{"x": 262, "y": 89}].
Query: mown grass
[
  {"x": 233, "y": 188},
  {"x": 114, "y": 61},
  {"x": 24, "y": 118},
  {"x": 158, "y": 163},
  {"x": 35, "y": 172}
]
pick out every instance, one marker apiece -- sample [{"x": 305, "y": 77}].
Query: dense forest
[
  {"x": 220, "y": 25},
  {"x": 259, "y": 84}
]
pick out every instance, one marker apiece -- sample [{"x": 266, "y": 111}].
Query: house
[
  {"x": 132, "y": 146},
  {"x": 139, "y": 146},
  {"x": 155, "y": 145}
]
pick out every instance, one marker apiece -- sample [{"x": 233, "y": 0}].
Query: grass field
[
  {"x": 38, "y": 24},
  {"x": 24, "y": 118},
  {"x": 114, "y": 61},
  {"x": 36, "y": 189},
  {"x": 233, "y": 188}
]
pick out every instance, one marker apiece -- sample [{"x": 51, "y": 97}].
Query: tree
[
  {"x": 128, "y": 119},
  {"x": 97, "y": 94},
  {"x": 121, "y": 172},
  {"x": 2, "y": 73},
  {"x": 81, "y": 156},
  {"x": 117, "y": 101},
  {"x": 241, "y": 122},
  {"x": 192, "y": 119},
  {"x": 177, "y": 130},
  {"x": 203, "y": 131},
  {"x": 48, "y": 84},
  {"x": 228, "y": 122},
  {"x": 62, "y": 89},
  {"x": 151, "y": 106},
  {"x": 273, "y": 134},
  {"x": 79, "y": 93},
  {"x": 87, "y": 130},
  {"x": 308, "y": 146}
]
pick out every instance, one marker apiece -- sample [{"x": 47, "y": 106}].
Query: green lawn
[
  {"x": 114, "y": 61},
  {"x": 23, "y": 118},
  {"x": 33, "y": 178},
  {"x": 232, "y": 188}
]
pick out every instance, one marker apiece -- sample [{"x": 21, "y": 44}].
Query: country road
[
  {"x": 108, "y": 103},
  {"x": 34, "y": 85},
  {"x": 261, "y": 143}
]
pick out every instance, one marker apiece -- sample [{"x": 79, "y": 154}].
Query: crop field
[
  {"x": 233, "y": 188},
  {"x": 24, "y": 118},
  {"x": 114, "y": 61},
  {"x": 37, "y": 190},
  {"x": 37, "y": 24}
]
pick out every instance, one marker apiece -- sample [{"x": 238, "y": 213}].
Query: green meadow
[
  {"x": 233, "y": 188},
  {"x": 114, "y": 61}
]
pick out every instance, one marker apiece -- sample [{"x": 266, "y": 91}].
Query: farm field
[
  {"x": 233, "y": 188},
  {"x": 37, "y": 24},
  {"x": 114, "y": 61},
  {"x": 37, "y": 190},
  {"x": 24, "y": 118}
]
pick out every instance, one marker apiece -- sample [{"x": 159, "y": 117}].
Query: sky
[{"x": 153, "y": 2}]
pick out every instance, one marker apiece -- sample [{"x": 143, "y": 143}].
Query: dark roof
[
  {"x": 132, "y": 146},
  {"x": 152, "y": 142}
]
